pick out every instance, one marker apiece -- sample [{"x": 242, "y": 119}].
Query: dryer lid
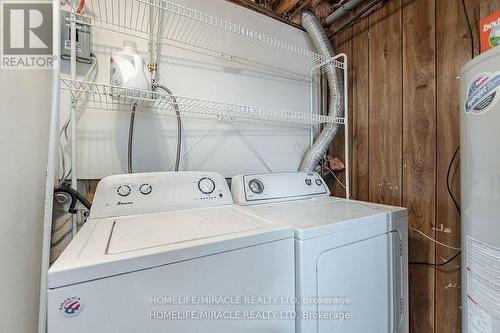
[
  {"x": 320, "y": 216},
  {"x": 107, "y": 247}
]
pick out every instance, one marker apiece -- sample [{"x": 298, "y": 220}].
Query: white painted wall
[
  {"x": 24, "y": 119},
  {"x": 102, "y": 136}
]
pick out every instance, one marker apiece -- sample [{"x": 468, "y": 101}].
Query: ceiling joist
[
  {"x": 284, "y": 6},
  {"x": 288, "y": 11}
]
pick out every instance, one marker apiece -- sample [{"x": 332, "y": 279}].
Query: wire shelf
[
  {"x": 98, "y": 96},
  {"x": 183, "y": 27}
]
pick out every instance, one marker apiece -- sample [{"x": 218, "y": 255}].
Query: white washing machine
[
  {"x": 169, "y": 252},
  {"x": 351, "y": 256}
]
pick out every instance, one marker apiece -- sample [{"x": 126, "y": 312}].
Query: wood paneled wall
[{"x": 404, "y": 62}]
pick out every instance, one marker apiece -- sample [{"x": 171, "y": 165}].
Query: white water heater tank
[{"x": 480, "y": 195}]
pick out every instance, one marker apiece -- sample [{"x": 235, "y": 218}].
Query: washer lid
[
  {"x": 324, "y": 215},
  {"x": 107, "y": 247},
  {"x": 134, "y": 233}
]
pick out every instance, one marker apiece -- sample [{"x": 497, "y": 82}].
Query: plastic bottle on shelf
[{"x": 128, "y": 70}]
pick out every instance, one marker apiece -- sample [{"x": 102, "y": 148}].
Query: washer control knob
[
  {"x": 123, "y": 190},
  {"x": 256, "y": 186},
  {"x": 308, "y": 182},
  {"x": 318, "y": 182},
  {"x": 145, "y": 189},
  {"x": 206, "y": 185}
]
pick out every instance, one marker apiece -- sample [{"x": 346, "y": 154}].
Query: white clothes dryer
[{"x": 351, "y": 256}]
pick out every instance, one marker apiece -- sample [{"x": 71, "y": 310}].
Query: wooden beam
[
  {"x": 300, "y": 8},
  {"x": 284, "y": 6},
  {"x": 265, "y": 11}
]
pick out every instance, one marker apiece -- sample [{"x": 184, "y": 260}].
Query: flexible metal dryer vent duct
[{"x": 335, "y": 90}]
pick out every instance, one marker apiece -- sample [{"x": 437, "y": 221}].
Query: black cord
[
  {"x": 436, "y": 265},
  {"x": 75, "y": 196},
  {"x": 471, "y": 34},
  {"x": 455, "y": 202},
  {"x": 448, "y": 186}
]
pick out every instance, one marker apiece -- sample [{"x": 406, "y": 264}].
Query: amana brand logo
[
  {"x": 71, "y": 306},
  {"x": 483, "y": 93},
  {"x": 123, "y": 203}
]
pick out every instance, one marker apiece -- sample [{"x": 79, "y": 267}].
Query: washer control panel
[
  {"x": 273, "y": 187},
  {"x": 144, "y": 193}
]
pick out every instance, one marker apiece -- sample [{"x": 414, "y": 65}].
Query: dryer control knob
[
  {"x": 256, "y": 186},
  {"x": 145, "y": 189},
  {"x": 123, "y": 190}
]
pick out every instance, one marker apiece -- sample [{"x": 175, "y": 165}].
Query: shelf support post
[
  {"x": 51, "y": 167},
  {"x": 74, "y": 179}
]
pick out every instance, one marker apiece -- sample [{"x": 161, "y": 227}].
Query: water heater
[{"x": 480, "y": 180}]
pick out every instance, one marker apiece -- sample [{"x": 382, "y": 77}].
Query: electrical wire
[
  {"x": 436, "y": 265},
  {"x": 448, "y": 185},
  {"x": 434, "y": 240},
  {"x": 179, "y": 126},
  {"x": 64, "y": 149},
  {"x": 338, "y": 180},
  {"x": 469, "y": 26},
  {"x": 75, "y": 9},
  {"x": 130, "y": 145},
  {"x": 80, "y": 7},
  {"x": 450, "y": 165},
  {"x": 416, "y": 230}
]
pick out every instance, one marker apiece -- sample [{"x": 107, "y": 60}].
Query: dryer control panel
[
  {"x": 274, "y": 187},
  {"x": 143, "y": 193}
]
